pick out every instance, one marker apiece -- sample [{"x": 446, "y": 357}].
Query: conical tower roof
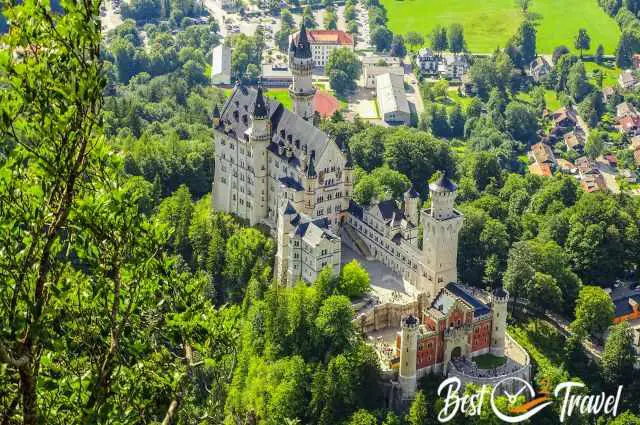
[
  {"x": 311, "y": 168},
  {"x": 260, "y": 108},
  {"x": 443, "y": 184},
  {"x": 303, "y": 49}
]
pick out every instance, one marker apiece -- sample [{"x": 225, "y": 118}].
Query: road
[{"x": 561, "y": 325}]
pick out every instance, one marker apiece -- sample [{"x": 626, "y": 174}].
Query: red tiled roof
[
  {"x": 542, "y": 153},
  {"x": 325, "y": 104},
  {"x": 628, "y": 123},
  {"x": 540, "y": 169},
  {"x": 330, "y": 37}
]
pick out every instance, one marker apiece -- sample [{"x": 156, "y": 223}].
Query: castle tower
[
  {"x": 441, "y": 225},
  {"x": 411, "y": 200},
  {"x": 301, "y": 65},
  {"x": 408, "y": 355},
  {"x": 284, "y": 228},
  {"x": 310, "y": 183},
  {"x": 259, "y": 138},
  {"x": 499, "y": 301}
]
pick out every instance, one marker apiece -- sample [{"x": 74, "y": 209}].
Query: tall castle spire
[{"x": 301, "y": 90}]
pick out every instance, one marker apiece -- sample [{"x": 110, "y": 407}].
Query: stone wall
[{"x": 384, "y": 316}]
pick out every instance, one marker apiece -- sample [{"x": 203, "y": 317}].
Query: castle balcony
[{"x": 517, "y": 364}]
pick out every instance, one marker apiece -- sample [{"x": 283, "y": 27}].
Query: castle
[{"x": 275, "y": 168}]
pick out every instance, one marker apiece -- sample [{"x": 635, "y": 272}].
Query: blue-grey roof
[
  {"x": 443, "y": 184},
  {"x": 355, "y": 210},
  {"x": 289, "y": 182},
  {"x": 622, "y": 305},
  {"x": 479, "y": 308}
]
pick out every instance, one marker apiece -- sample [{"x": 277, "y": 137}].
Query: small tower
[
  {"x": 499, "y": 301},
  {"x": 310, "y": 182},
  {"x": 259, "y": 138},
  {"x": 216, "y": 116},
  {"x": 411, "y": 200},
  {"x": 301, "y": 90},
  {"x": 408, "y": 354},
  {"x": 441, "y": 225},
  {"x": 286, "y": 214}
]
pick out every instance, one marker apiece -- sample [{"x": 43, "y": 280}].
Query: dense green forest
[{"x": 126, "y": 299}]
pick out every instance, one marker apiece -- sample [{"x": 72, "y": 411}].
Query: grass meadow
[{"x": 490, "y": 23}]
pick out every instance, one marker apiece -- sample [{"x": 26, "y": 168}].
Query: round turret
[
  {"x": 443, "y": 196},
  {"x": 500, "y": 301},
  {"x": 408, "y": 356}
]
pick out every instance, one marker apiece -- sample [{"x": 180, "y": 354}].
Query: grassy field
[
  {"x": 282, "y": 96},
  {"x": 611, "y": 74},
  {"x": 550, "y": 98},
  {"x": 489, "y": 361},
  {"x": 490, "y": 23}
]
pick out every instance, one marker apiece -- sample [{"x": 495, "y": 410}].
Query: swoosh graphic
[{"x": 525, "y": 407}]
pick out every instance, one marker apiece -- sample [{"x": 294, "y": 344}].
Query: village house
[
  {"x": 627, "y": 80},
  {"x": 636, "y": 157},
  {"x": 543, "y": 170},
  {"x": 593, "y": 183},
  {"x": 626, "y": 109},
  {"x": 629, "y": 125},
  {"x": 565, "y": 166},
  {"x": 609, "y": 159},
  {"x": 591, "y": 180},
  {"x": 541, "y": 153},
  {"x": 427, "y": 61},
  {"x": 626, "y": 309},
  {"x": 565, "y": 117},
  {"x": 635, "y": 60},
  {"x": 454, "y": 67},
  {"x": 575, "y": 141},
  {"x": 539, "y": 68},
  {"x": 586, "y": 166}
]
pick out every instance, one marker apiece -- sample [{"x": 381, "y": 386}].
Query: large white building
[
  {"x": 221, "y": 65},
  {"x": 392, "y": 99},
  {"x": 323, "y": 42}
]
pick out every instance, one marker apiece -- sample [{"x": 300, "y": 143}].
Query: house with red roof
[{"x": 324, "y": 41}]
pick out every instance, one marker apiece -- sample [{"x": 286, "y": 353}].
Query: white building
[
  {"x": 323, "y": 42},
  {"x": 454, "y": 67},
  {"x": 221, "y": 65},
  {"x": 373, "y": 66},
  {"x": 427, "y": 61},
  {"x": 392, "y": 99}
]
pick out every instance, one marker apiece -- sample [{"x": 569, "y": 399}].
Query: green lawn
[
  {"x": 490, "y": 23},
  {"x": 549, "y": 98},
  {"x": 282, "y": 96},
  {"x": 610, "y": 73},
  {"x": 489, "y": 361}
]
